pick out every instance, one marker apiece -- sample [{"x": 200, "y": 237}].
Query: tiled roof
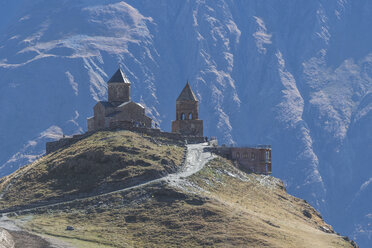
[
  {"x": 119, "y": 77},
  {"x": 187, "y": 94}
]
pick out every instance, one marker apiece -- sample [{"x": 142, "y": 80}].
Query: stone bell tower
[
  {"x": 187, "y": 114},
  {"x": 118, "y": 88}
]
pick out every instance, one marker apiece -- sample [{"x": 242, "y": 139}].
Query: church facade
[
  {"x": 187, "y": 114},
  {"x": 119, "y": 111}
]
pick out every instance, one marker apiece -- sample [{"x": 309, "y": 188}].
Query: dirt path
[
  {"x": 25, "y": 239},
  {"x": 8, "y": 224},
  {"x": 196, "y": 158},
  {"x": 11, "y": 233}
]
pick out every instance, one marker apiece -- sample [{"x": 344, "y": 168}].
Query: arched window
[
  {"x": 237, "y": 155},
  {"x": 253, "y": 156},
  {"x": 190, "y": 116},
  {"x": 245, "y": 155},
  {"x": 182, "y": 116}
]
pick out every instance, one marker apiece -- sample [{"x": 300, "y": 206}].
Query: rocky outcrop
[{"x": 6, "y": 240}]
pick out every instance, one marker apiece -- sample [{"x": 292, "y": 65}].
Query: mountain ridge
[{"x": 296, "y": 75}]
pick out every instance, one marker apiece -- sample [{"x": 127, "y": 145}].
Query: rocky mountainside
[
  {"x": 294, "y": 74},
  {"x": 122, "y": 189}
]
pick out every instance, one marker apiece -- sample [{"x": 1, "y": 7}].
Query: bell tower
[
  {"x": 118, "y": 88},
  {"x": 187, "y": 114}
]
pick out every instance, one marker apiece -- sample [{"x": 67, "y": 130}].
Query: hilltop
[
  {"x": 123, "y": 189},
  {"x": 295, "y": 74},
  {"x": 103, "y": 162}
]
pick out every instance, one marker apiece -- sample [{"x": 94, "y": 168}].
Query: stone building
[
  {"x": 119, "y": 111},
  {"x": 187, "y": 114},
  {"x": 249, "y": 159}
]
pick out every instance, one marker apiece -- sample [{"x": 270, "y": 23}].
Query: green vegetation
[{"x": 100, "y": 163}]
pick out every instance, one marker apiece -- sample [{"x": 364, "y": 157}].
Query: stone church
[
  {"x": 119, "y": 111},
  {"x": 187, "y": 114}
]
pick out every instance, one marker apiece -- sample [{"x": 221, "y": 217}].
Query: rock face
[
  {"x": 296, "y": 75},
  {"x": 6, "y": 240}
]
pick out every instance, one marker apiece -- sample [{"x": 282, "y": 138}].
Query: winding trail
[{"x": 197, "y": 157}]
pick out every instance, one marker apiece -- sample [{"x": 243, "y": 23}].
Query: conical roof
[
  {"x": 187, "y": 94},
  {"x": 119, "y": 77}
]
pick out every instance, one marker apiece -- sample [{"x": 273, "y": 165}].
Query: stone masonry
[
  {"x": 249, "y": 159},
  {"x": 119, "y": 113},
  {"x": 187, "y": 114},
  {"x": 119, "y": 110}
]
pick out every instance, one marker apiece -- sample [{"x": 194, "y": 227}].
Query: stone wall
[
  {"x": 248, "y": 159},
  {"x": 132, "y": 111},
  {"x": 188, "y": 127},
  {"x": 101, "y": 110},
  {"x": 187, "y": 110},
  {"x": 108, "y": 116},
  {"x": 118, "y": 92}
]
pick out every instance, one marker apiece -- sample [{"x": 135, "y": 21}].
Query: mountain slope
[
  {"x": 208, "y": 204},
  {"x": 103, "y": 162},
  {"x": 295, "y": 74}
]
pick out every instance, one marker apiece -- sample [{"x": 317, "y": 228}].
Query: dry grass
[
  {"x": 261, "y": 203},
  {"x": 102, "y": 162},
  {"x": 233, "y": 210}
]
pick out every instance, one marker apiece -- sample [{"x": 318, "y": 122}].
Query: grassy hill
[
  {"x": 218, "y": 206},
  {"x": 102, "y": 162}
]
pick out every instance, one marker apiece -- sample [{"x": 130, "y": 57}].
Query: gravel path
[
  {"x": 8, "y": 224},
  {"x": 196, "y": 158}
]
